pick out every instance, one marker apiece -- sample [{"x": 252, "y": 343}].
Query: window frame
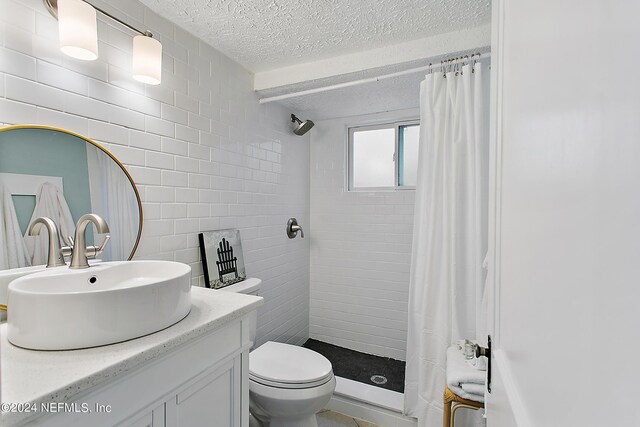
[{"x": 396, "y": 154}]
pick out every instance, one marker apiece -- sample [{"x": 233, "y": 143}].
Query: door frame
[{"x": 506, "y": 390}]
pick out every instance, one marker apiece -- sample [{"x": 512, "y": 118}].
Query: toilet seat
[
  {"x": 277, "y": 384},
  {"x": 288, "y": 366}
]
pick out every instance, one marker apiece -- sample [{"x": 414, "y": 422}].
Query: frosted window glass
[
  {"x": 408, "y": 169},
  {"x": 373, "y": 164}
]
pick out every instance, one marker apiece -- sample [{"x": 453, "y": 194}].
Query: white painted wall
[
  {"x": 360, "y": 249},
  {"x": 203, "y": 152}
]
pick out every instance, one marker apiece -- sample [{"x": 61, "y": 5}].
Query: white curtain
[
  {"x": 114, "y": 200},
  {"x": 449, "y": 235}
]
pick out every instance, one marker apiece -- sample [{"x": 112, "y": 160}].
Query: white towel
[
  {"x": 469, "y": 396},
  {"x": 472, "y": 388},
  {"x": 13, "y": 251},
  {"x": 479, "y": 363},
  {"x": 50, "y": 202},
  {"x": 459, "y": 371}
]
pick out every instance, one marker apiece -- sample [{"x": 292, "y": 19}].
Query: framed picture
[{"x": 222, "y": 259}]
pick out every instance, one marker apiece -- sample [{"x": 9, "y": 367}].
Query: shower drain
[{"x": 379, "y": 379}]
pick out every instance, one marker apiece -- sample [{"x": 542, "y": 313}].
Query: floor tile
[{"x": 328, "y": 418}]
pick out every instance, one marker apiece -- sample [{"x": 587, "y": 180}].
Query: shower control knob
[{"x": 293, "y": 228}]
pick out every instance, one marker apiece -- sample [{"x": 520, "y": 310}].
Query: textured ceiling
[{"x": 268, "y": 34}]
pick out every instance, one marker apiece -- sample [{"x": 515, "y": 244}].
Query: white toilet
[{"x": 287, "y": 384}]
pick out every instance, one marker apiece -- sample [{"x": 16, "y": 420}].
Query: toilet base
[
  {"x": 254, "y": 422},
  {"x": 281, "y": 407}
]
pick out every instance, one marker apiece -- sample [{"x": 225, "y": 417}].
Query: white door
[{"x": 566, "y": 201}]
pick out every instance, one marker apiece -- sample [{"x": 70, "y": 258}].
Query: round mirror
[{"x": 46, "y": 171}]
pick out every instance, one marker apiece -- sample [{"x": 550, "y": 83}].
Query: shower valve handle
[{"x": 293, "y": 228}]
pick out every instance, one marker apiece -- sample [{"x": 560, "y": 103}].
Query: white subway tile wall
[
  {"x": 203, "y": 152},
  {"x": 360, "y": 249}
]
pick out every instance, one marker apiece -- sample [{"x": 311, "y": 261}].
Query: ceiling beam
[{"x": 478, "y": 38}]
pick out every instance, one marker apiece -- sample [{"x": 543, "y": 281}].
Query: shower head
[{"x": 303, "y": 127}]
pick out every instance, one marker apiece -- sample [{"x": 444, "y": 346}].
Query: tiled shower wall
[
  {"x": 360, "y": 249},
  {"x": 204, "y": 154}
]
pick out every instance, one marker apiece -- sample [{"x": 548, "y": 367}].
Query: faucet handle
[
  {"x": 94, "y": 251},
  {"x": 66, "y": 251},
  {"x": 104, "y": 244}
]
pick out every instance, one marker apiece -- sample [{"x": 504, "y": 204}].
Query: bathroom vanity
[{"x": 192, "y": 373}]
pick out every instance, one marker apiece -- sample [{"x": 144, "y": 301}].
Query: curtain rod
[{"x": 432, "y": 66}]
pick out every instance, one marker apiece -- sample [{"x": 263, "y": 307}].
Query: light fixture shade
[
  {"x": 78, "y": 29},
  {"x": 147, "y": 60}
]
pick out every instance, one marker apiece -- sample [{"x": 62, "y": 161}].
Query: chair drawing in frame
[{"x": 222, "y": 258}]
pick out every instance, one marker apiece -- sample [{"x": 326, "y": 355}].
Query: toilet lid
[{"x": 287, "y": 365}]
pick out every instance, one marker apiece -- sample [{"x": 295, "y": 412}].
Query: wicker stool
[{"x": 453, "y": 402}]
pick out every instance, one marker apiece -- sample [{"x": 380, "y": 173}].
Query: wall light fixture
[{"x": 78, "y": 30}]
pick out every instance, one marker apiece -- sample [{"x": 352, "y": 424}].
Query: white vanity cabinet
[
  {"x": 199, "y": 384},
  {"x": 214, "y": 398},
  {"x": 194, "y": 373},
  {"x": 211, "y": 399}
]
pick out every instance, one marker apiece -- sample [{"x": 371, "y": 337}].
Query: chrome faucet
[
  {"x": 80, "y": 250},
  {"x": 54, "y": 257}
]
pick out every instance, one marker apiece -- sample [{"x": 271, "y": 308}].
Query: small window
[{"x": 383, "y": 156}]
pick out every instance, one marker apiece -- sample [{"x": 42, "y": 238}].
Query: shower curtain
[
  {"x": 113, "y": 198},
  {"x": 449, "y": 235}
]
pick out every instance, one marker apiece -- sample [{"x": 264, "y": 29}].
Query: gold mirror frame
[{"x": 104, "y": 150}]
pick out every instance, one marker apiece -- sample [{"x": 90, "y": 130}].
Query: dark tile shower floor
[{"x": 360, "y": 367}]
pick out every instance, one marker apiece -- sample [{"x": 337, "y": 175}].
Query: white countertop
[{"x": 58, "y": 376}]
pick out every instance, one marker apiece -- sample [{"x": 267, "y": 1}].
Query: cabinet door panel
[
  {"x": 154, "y": 418},
  {"x": 145, "y": 421},
  {"x": 211, "y": 401}
]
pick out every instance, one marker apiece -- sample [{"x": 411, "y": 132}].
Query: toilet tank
[{"x": 249, "y": 286}]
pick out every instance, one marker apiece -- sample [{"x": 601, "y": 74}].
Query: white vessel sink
[
  {"x": 64, "y": 309},
  {"x": 8, "y": 276}
]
